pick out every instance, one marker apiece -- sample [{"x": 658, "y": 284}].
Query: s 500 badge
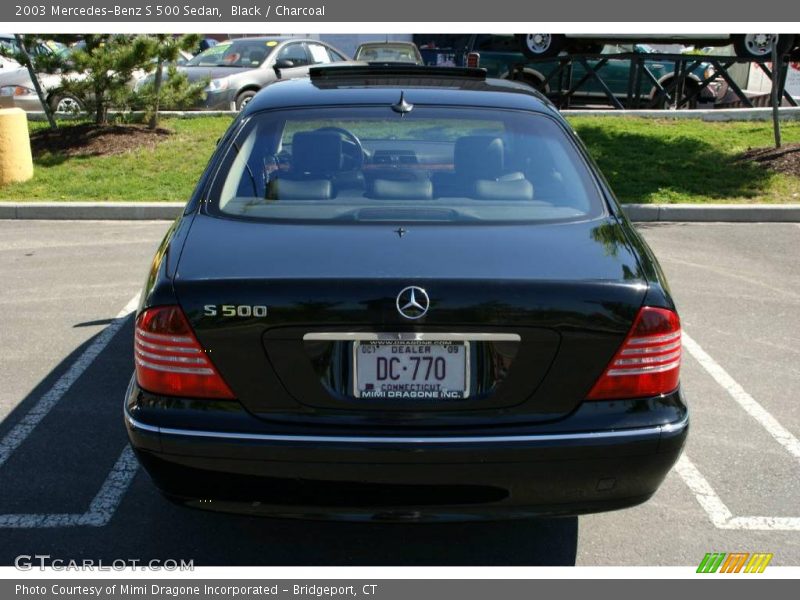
[{"x": 234, "y": 310}]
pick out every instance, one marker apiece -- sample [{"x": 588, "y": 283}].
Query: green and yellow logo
[{"x": 734, "y": 562}]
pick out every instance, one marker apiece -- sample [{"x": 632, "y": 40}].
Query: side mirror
[{"x": 282, "y": 63}]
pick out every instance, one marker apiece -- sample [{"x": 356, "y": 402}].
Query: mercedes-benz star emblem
[{"x": 412, "y": 302}]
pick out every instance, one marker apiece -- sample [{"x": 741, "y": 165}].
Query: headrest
[
  {"x": 290, "y": 189},
  {"x": 504, "y": 189},
  {"x": 316, "y": 152},
  {"x": 479, "y": 156}
]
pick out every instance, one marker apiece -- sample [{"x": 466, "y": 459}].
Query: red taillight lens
[
  {"x": 649, "y": 361},
  {"x": 473, "y": 60},
  {"x": 170, "y": 360}
]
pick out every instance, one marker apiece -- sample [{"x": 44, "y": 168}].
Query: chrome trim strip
[
  {"x": 647, "y": 360},
  {"x": 651, "y": 349},
  {"x": 547, "y": 437},
  {"x": 175, "y": 369},
  {"x": 341, "y": 336},
  {"x": 162, "y": 348},
  {"x": 184, "y": 360},
  {"x": 625, "y": 371},
  {"x": 160, "y": 337}
]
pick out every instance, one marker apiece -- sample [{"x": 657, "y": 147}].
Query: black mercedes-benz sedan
[{"x": 405, "y": 293}]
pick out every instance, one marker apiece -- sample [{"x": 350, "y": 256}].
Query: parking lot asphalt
[{"x": 68, "y": 486}]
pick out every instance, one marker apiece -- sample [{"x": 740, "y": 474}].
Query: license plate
[{"x": 411, "y": 370}]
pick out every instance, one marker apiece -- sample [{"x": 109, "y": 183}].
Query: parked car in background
[
  {"x": 17, "y": 84},
  {"x": 237, "y": 69},
  {"x": 389, "y": 52},
  {"x": 746, "y": 45},
  {"x": 15, "y": 81},
  {"x": 500, "y": 55},
  {"x": 8, "y": 63}
]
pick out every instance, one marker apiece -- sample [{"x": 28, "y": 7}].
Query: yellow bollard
[{"x": 16, "y": 162}]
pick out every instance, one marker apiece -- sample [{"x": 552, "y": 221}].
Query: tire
[
  {"x": 540, "y": 45},
  {"x": 243, "y": 98},
  {"x": 759, "y": 45},
  {"x": 662, "y": 104},
  {"x": 66, "y": 104}
]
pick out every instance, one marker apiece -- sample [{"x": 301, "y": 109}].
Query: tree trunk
[
  {"x": 101, "y": 110},
  {"x": 36, "y": 85},
  {"x": 156, "y": 93}
]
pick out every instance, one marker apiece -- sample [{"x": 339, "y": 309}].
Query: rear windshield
[
  {"x": 430, "y": 164},
  {"x": 387, "y": 53}
]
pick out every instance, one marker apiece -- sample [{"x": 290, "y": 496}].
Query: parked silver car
[{"x": 238, "y": 69}]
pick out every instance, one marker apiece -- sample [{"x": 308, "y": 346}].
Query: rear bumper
[{"x": 493, "y": 475}]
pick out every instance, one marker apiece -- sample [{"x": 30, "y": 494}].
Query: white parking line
[
  {"x": 715, "y": 508},
  {"x": 782, "y": 435},
  {"x": 101, "y": 509},
  {"x": 14, "y": 438}
]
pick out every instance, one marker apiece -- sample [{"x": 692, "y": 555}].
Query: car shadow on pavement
[{"x": 60, "y": 466}]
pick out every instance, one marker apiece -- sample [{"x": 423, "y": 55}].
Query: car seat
[
  {"x": 316, "y": 159},
  {"x": 479, "y": 172}
]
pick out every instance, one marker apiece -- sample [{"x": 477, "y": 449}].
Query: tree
[
  {"x": 174, "y": 90},
  {"x": 99, "y": 70}
]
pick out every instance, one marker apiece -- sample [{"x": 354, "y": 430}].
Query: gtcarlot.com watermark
[{"x": 29, "y": 562}]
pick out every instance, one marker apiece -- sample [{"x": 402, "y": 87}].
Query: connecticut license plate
[{"x": 412, "y": 370}]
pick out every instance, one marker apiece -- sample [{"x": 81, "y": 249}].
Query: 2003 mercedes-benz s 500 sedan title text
[{"x": 405, "y": 293}]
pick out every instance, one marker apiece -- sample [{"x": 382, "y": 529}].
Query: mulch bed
[
  {"x": 93, "y": 140},
  {"x": 781, "y": 160}
]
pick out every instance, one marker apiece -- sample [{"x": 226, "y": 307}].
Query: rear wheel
[
  {"x": 541, "y": 45},
  {"x": 760, "y": 45},
  {"x": 244, "y": 98}
]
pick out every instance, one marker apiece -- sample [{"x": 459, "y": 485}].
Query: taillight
[
  {"x": 170, "y": 360},
  {"x": 473, "y": 60},
  {"x": 648, "y": 362}
]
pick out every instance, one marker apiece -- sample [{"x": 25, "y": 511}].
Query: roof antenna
[{"x": 402, "y": 106}]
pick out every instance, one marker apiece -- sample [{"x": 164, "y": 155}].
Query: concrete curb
[
  {"x": 785, "y": 113},
  {"x": 159, "y": 211},
  {"x": 84, "y": 211},
  {"x": 707, "y": 213}
]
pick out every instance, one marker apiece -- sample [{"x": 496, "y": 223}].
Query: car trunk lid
[{"x": 568, "y": 291}]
